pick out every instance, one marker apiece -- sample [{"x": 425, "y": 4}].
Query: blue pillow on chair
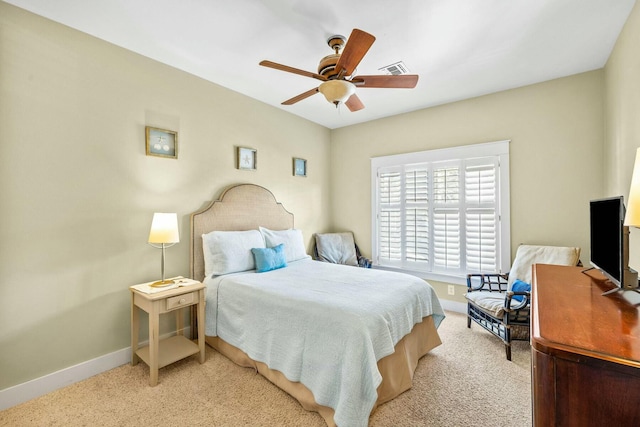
[
  {"x": 268, "y": 259},
  {"x": 520, "y": 286}
]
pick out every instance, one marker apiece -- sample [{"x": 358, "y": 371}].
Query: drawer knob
[{"x": 182, "y": 300}]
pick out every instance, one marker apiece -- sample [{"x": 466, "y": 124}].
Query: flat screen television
[{"x": 610, "y": 242}]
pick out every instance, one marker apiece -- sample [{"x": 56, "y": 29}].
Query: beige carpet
[{"x": 465, "y": 382}]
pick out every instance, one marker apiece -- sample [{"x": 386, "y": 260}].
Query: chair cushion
[
  {"x": 527, "y": 255},
  {"x": 491, "y": 302},
  {"x": 338, "y": 248}
]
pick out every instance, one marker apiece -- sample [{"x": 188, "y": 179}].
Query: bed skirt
[{"x": 397, "y": 369}]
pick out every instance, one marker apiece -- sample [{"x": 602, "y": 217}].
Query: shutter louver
[
  {"x": 446, "y": 238},
  {"x": 417, "y": 186},
  {"x": 390, "y": 222},
  {"x": 446, "y": 185},
  {"x": 446, "y": 220},
  {"x": 481, "y": 218},
  {"x": 416, "y": 215},
  {"x": 480, "y": 184},
  {"x": 417, "y": 235},
  {"x": 481, "y": 247}
]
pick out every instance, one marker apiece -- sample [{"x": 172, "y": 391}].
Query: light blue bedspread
[{"x": 324, "y": 325}]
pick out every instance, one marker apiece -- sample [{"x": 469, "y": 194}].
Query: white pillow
[
  {"x": 292, "y": 239},
  {"x": 230, "y": 251}
]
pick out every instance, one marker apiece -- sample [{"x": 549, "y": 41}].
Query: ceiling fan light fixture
[{"x": 337, "y": 91}]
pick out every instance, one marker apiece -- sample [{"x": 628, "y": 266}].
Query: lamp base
[{"x": 162, "y": 283}]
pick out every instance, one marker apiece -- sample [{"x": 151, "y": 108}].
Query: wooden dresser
[{"x": 585, "y": 350}]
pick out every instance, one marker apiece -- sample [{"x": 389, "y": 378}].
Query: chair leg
[
  {"x": 507, "y": 348},
  {"x": 468, "y": 321}
]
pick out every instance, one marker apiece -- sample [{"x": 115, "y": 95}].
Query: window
[{"x": 442, "y": 213}]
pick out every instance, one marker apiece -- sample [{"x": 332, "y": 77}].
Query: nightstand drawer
[{"x": 181, "y": 300}]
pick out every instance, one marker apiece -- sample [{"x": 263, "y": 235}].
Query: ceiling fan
[{"x": 338, "y": 86}]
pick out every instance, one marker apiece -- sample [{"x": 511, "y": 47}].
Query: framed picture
[
  {"x": 299, "y": 167},
  {"x": 161, "y": 142},
  {"x": 247, "y": 158}
]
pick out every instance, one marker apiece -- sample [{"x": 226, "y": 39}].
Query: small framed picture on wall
[
  {"x": 161, "y": 142},
  {"x": 247, "y": 158},
  {"x": 299, "y": 167}
]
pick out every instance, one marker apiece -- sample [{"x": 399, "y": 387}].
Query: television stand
[
  {"x": 612, "y": 291},
  {"x": 629, "y": 281}
]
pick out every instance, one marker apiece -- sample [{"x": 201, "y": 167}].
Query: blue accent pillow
[
  {"x": 520, "y": 286},
  {"x": 268, "y": 259}
]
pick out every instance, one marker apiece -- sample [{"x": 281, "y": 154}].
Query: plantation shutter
[{"x": 442, "y": 216}]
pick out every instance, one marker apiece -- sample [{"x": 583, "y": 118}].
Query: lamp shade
[
  {"x": 337, "y": 91},
  {"x": 164, "y": 228},
  {"x": 632, "y": 217}
]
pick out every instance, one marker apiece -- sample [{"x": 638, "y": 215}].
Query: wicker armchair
[
  {"x": 339, "y": 248},
  {"x": 500, "y": 303}
]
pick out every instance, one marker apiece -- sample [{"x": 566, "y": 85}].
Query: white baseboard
[
  {"x": 459, "y": 307},
  {"x": 40, "y": 386}
]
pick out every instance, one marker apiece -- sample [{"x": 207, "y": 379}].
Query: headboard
[{"x": 239, "y": 207}]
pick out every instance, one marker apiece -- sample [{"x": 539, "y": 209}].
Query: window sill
[{"x": 456, "y": 280}]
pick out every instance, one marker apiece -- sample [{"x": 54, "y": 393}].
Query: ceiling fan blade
[
  {"x": 357, "y": 46},
  {"x": 354, "y": 103},
  {"x": 288, "y": 69},
  {"x": 301, "y": 96},
  {"x": 407, "y": 81}
]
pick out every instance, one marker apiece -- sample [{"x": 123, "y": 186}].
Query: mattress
[{"x": 326, "y": 333}]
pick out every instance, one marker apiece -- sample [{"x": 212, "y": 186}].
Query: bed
[{"x": 340, "y": 339}]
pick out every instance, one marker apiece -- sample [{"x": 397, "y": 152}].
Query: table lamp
[
  {"x": 632, "y": 216},
  {"x": 164, "y": 232}
]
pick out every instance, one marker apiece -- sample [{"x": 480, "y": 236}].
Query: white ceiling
[{"x": 459, "y": 48}]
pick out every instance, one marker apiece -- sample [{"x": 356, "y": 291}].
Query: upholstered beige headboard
[{"x": 239, "y": 207}]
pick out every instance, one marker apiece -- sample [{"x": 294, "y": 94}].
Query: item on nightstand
[
  {"x": 632, "y": 216},
  {"x": 178, "y": 282},
  {"x": 164, "y": 230}
]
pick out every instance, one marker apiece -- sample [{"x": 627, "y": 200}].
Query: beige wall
[
  {"x": 78, "y": 191},
  {"x": 622, "y": 118},
  {"x": 556, "y": 131}
]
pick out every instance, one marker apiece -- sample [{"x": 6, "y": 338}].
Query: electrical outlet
[{"x": 451, "y": 290}]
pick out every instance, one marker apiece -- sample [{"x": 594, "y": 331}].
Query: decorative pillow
[
  {"x": 293, "y": 243},
  {"x": 230, "y": 251},
  {"x": 338, "y": 248},
  {"x": 268, "y": 259},
  {"x": 520, "y": 286}
]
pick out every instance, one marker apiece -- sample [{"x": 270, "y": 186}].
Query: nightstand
[{"x": 160, "y": 353}]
